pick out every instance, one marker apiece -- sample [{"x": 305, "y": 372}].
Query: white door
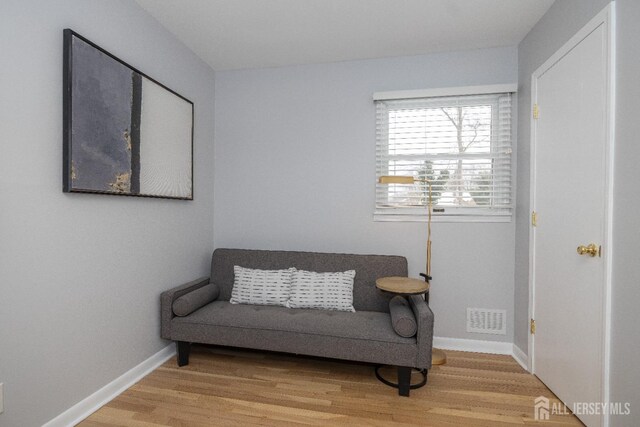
[{"x": 569, "y": 194}]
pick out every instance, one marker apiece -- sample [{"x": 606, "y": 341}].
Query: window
[{"x": 460, "y": 144}]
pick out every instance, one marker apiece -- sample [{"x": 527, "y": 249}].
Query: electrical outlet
[{"x": 1, "y": 398}]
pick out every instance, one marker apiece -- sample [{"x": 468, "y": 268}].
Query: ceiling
[{"x": 237, "y": 34}]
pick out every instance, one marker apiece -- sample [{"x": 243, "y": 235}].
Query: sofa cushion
[
  {"x": 188, "y": 303},
  {"x": 362, "y": 325},
  {"x": 327, "y": 291},
  {"x": 402, "y": 319},
  {"x": 262, "y": 287},
  {"x": 368, "y": 268}
]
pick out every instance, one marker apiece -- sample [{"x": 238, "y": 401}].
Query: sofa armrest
[
  {"x": 424, "y": 317},
  {"x": 166, "y": 302}
]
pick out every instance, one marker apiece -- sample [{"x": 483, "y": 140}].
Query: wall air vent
[{"x": 486, "y": 321}]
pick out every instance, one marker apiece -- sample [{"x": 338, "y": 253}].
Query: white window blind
[{"x": 460, "y": 144}]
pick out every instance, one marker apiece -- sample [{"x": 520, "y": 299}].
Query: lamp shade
[{"x": 396, "y": 179}]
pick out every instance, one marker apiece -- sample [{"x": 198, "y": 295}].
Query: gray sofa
[{"x": 366, "y": 335}]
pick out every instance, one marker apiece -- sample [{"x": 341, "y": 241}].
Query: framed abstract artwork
[{"x": 124, "y": 133}]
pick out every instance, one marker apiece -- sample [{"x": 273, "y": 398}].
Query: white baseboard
[
  {"x": 476, "y": 346},
  {"x": 481, "y": 346},
  {"x": 521, "y": 357},
  {"x": 92, "y": 403}
]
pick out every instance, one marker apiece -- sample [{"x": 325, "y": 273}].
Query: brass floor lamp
[{"x": 438, "y": 357}]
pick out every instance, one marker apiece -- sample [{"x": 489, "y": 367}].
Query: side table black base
[{"x": 404, "y": 379}]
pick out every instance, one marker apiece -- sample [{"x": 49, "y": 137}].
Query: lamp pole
[{"x": 438, "y": 357}]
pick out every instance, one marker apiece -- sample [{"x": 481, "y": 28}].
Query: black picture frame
[{"x": 124, "y": 133}]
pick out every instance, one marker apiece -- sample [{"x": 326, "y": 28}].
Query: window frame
[{"x": 451, "y": 213}]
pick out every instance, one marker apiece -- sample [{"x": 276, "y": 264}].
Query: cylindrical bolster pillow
[
  {"x": 188, "y": 303},
  {"x": 402, "y": 319}
]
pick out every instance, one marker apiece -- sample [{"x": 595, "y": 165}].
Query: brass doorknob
[{"x": 591, "y": 250}]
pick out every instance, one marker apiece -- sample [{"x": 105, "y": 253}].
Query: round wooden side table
[
  {"x": 403, "y": 285},
  {"x": 408, "y": 286}
]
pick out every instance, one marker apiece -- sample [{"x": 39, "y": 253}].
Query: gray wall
[
  {"x": 625, "y": 339},
  {"x": 81, "y": 275},
  {"x": 294, "y": 169},
  {"x": 564, "y": 19},
  {"x": 557, "y": 26}
]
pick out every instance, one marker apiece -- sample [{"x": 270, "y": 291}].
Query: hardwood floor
[{"x": 235, "y": 387}]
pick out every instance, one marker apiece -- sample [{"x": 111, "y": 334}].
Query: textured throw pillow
[
  {"x": 402, "y": 319},
  {"x": 261, "y": 287},
  {"x": 188, "y": 303},
  {"x": 329, "y": 291}
]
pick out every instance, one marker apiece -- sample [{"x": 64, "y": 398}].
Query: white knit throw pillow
[
  {"x": 261, "y": 287},
  {"x": 329, "y": 291}
]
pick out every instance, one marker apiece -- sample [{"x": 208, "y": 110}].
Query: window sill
[{"x": 442, "y": 218}]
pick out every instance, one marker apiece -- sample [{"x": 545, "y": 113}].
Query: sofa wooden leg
[
  {"x": 183, "y": 349},
  {"x": 404, "y": 380}
]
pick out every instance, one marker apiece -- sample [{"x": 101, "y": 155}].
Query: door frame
[{"x": 606, "y": 17}]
